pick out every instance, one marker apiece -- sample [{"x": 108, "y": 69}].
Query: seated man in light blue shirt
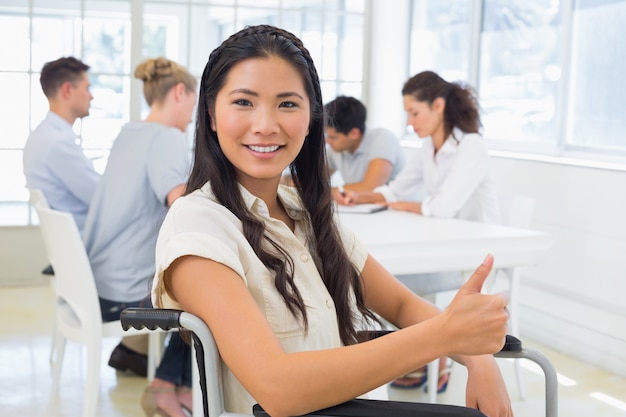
[
  {"x": 366, "y": 159},
  {"x": 53, "y": 160}
]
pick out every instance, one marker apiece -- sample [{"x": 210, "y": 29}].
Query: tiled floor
[{"x": 25, "y": 329}]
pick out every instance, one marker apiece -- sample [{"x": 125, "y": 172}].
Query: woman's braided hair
[{"x": 308, "y": 172}]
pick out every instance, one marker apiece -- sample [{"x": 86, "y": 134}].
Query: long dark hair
[
  {"x": 308, "y": 171},
  {"x": 462, "y": 109}
]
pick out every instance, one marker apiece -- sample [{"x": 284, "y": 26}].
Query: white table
[{"x": 406, "y": 243}]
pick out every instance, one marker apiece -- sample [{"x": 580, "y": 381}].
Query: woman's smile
[{"x": 263, "y": 149}]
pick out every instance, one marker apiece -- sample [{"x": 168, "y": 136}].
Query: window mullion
[
  {"x": 475, "y": 44},
  {"x": 565, "y": 110},
  {"x": 136, "y": 46}
]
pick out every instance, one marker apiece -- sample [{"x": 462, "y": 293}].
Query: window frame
[
  {"x": 336, "y": 9},
  {"x": 559, "y": 151}
]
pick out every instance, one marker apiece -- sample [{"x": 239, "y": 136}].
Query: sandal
[{"x": 411, "y": 380}]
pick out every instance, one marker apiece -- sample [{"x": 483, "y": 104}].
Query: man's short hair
[
  {"x": 345, "y": 113},
  {"x": 55, "y": 73}
]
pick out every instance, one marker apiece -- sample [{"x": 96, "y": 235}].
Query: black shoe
[{"x": 125, "y": 360}]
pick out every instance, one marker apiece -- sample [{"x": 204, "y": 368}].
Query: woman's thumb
[{"x": 475, "y": 283}]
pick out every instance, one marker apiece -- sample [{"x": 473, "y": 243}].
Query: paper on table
[{"x": 361, "y": 208}]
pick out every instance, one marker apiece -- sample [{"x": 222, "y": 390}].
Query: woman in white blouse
[{"x": 452, "y": 168}]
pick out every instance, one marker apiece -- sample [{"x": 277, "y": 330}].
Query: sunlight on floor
[{"x": 621, "y": 405}]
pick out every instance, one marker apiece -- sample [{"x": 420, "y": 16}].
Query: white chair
[
  {"x": 36, "y": 196},
  {"x": 78, "y": 317},
  {"x": 516, "y": 210}
]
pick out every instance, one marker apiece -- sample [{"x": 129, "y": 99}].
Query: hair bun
[{"x": 154, "y": 68}]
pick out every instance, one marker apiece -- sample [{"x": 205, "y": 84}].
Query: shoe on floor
[
  {"x": 412, "y": 380},
  {"x": 126, "y": 360},
  {"x": 48, "y": 270}
]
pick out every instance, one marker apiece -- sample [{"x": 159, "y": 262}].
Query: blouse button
[
  {"x": 304, "y": 257},
  {"x": 329, "y": 303}
]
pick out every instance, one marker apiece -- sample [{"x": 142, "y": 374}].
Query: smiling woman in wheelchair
[{"x": 282, "y": 286}]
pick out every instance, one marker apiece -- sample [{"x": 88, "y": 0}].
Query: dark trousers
[
  {"x": 378, "y": 408},
  {"x": 175, "y": 366}
]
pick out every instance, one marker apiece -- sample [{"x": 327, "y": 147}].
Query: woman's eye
[
  {"x": 288, "y": 104},
  {"x": 242, "y": 102}
]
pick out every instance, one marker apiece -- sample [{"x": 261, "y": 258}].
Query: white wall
[
  {"x": 574, "y": 300},
  {"x": 22, "y": 256}
]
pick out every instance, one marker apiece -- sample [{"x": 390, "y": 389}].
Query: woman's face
[
  {"x": 426, "y": 120},
  {"x": 261, "y": 117}
]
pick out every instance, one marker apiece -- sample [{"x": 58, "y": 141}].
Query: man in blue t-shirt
[{"x": 365, "y": 159}]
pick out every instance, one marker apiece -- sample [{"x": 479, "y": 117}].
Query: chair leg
[
  {"x": 53, "y": 345},
  {"x": 54, "y": 325},
  {"x": 92, "y": 382},
  {"x": 433, "y": 378},
  {"x": 58, "y": 363},
  {"x": 155, "y": 352}
]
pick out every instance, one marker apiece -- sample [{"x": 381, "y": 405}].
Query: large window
[
  {"x": 104, "y": 34},
  {"x": 548, "y": 73}
]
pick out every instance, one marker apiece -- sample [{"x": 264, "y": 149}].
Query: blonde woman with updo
[{"x": 147, "y": 170}]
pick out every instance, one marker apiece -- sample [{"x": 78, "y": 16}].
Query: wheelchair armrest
[
  {"x": 512, "y": 343},
  {"x": 151, "y": 318}
]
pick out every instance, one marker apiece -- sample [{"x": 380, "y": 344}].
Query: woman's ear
[
  {"x": 439, "y": 105},
  {"x": 179, "y": 91}
]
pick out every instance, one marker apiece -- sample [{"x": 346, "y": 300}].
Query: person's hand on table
[
  {"x": 346, "y": 197},
  {"x": 410, "y": 206}
]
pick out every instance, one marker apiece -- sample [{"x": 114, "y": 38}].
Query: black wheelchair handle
[
  {"x": 152, "y": 318},
  {"x": 512, "y": 343}
]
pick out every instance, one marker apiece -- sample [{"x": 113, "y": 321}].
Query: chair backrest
[
  {"x": 516, "y": 210},
  {"x": 37, "y": 197},
  {"x": 75, "y": 282}
]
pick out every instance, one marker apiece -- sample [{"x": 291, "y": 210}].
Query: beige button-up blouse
[{"x": 198, "y": 225}]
